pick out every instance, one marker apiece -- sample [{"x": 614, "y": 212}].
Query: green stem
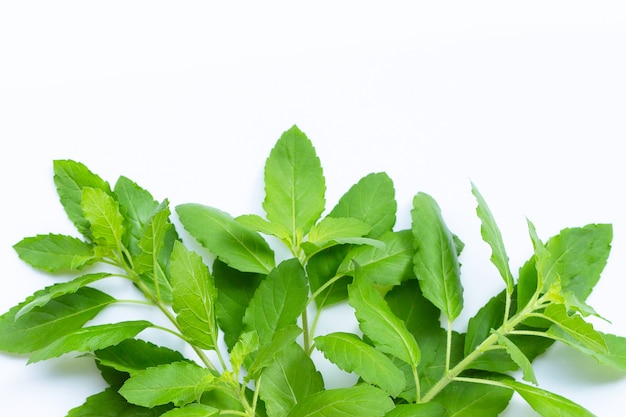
[
  {"x": 324, "y": 287},
  {"x": 448, "y": 346},
  {"x": 305, "y": 330},
  {"x": 418, "y": 389}
]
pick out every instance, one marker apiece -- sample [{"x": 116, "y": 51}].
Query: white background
[{"x": 525, "y": 99}]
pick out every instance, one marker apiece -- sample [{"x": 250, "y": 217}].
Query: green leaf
[
  {"x": 290, "y": 379},
  {"x": 55, "y": 253},
  {"x": 231, "y": 241},
  {"x": 575, "y": 326},
  {"x": 152, "y": 239},
  {"x": 103, "y": 214},
  {"x": 361, "y": 400},
  {"x": 248, "y": 342},
  {"x": 615, "y": 356},
  {"x": 89, "y": 339},
  {"x": 321, "y": 268},
  {"x": 491, "y": 234},
  {"x": 371, "y": 200},
  {"x": 283, "y": 338},
  {"x": 542, "y": 256},
  {"x": 194, "y": 297},
  {"x": 259, "y": 224},
  {"x": 351, "y": 354},
  {"x": 435, "y": 262},
  {"x": 44, "y": 296},
  {"x": 41, "y": 326},
  {"x": 337, "y": 228},
  {"x": 132, "y": 355},
  {"x": 294, "y": 184},
  {"x": 546, "y": 403},
  {"x": 179, "y": 383},
  {"x": 110, "y": 404},
  {"x": 70, "y": 178},
  {"x": 235, "y": 289},
  {"x": 430, "y": 409},
  {"x": 389, "y": 265},
  {"x": 379, "y": 324},
  {"x": 463, "y": 399},
  {"x": 137, "y": 207},
  {"x": 193, "y": 410},
  {"x": 518, "y": 357},
  {"x": 279, "y": 300},
  {"x": 420, "y": 316}
]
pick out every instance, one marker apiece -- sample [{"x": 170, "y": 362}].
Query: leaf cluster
[{"x": 251, "y": 317}]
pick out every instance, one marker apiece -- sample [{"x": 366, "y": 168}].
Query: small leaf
[
  {"x": 294, "y": 184},
  {"x": 152, "y": 239},
  {"x": 429, "y": 409},
  {"x": 389, "y": 265},
  {"x": 41, "y": 326},
  {"x": 259, "y": 224},
  {"x": 379, "y": 324},
  {"x": 55, "y": 253},
  {"x": 248, "y": 342},
  {"x": 179, "y": 383},
  {"x": 278, "y": 302},
  {"x": 546, "y": 403},
  {"x": 104, "y": 217},
  {"x": 132, "y": 355},
  {"x": 435, "y": 262},
  {"x": 70, "y": 178},
  {"x": 351, "y": 354},
  {"x": 283, "y": 338},
  {"x": 491, "y": 235},
  {"x": 332, "y": 228},
  {"x": 193, "y": 410},
  {"x": 228, "y": 239},
  {"x": 361, "y": 400},
  {"x": 518, "y": 357},
  {"x": 137, "y": 206},
  {"x": 194, "y": 297},
  {"x": 89, "y": 339}
]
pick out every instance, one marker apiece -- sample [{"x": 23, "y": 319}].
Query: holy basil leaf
[
  {"x": 290, "y": 379},
  {"x": 105, "y": 220},
  {"x": 435, "y": 262},
  {"x": 361, "y": 400},
  {"x": 111, "y": 404},
  {"x": 615, "y": 356},
  {"x": 462, "y": 399},
  {"x": 576, "y": 327},
  {"x": 283, "y": 338},
  {"x": 334, "y": 228},
  {"x": 89, "y": 339},
  {"x": 518, "y": 357},
  {"x": 351, "y": 354},
  {"x": 152, "y": 239},
  {"x": 228, "y": 239},
  {"x": 55, "y": 253},
  {"x": 294, "y": 184},
  {"x": 193, "y": 410},
  {"x": 259, "y": 224},
  {"x": 179, "y": 383},
  {"x": 194, "y": 297},
  {"x": 70, "y": 178},
  {"x": 43, "y": 325},
  {"x": 546, "y": 403},
  {"x": 132, "y": 355},
  {"x": 279, "y": 300},
  {"x": 389, "y": 265},
  {"x": 379, "y": 324},
  {"x": 491, "y": 235},
  {"x": 371, "y": 200},
  {"x": 429, "y": 409},
  {"x": 321, "y": 268},
  {"x": 420, "y": 316}
]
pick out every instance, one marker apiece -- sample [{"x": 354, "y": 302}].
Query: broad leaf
[
  {"x": 193, "y": 410},
  {"x": 132, "y": 355},
  {"x": 111, "y": 404},
  {"x": 361, "y": 400},
  {"x": 389, "y": 265},
  {"x": 435, "y": 262},
  {"x": 464, "y": 399},
  {"x": 546, "y": 403},
  {"x": 294, "y": 184},
  {"x": 379, "y": 324},
  {"x": 89, "y": 339},
  {"x": 351, "y": 354},
  {"x": 70, "y": 177},
  {"x": 228, "y": 239},
  {"x": 194, "y": 297},
  {"x": 278, "y": 302},
  {"x": 420, "y": 316},
  {"x": 179, "y": 383},
  {"x": 429, "y": 409},
  {"x": 55, "y": 253},
  {"x": 42, "y": 325},
  {"x": 491, "y": 234},
  {"x": 104, "y": 217},
  {"x": 371, "y": 200},
  {"x": 333, "y": 229},
  {"x": 291, "y": 378}
]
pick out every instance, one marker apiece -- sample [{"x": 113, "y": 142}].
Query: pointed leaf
[
  {"x": 371, "y": 200},
  {"x": 615, "y": 356},
  {"x": 546, "y": 403},
  {"x": 332, "y": 228},
  {"x": 193, "y": 410},
  {"x": 351, "y": 354},
  {"x": 89, "y": 339},
  {"x": 435, "y": 262},
  {"x": 259, "y": 224},
  {"x": 55, "y": 253},
  {"x": 283, "y": 338},
  {"x": 232, "y": 242},
  {"x": 379, "y": 324},
  {"x": 491, "y": 234},
  {"x": 294, "y": 184},
  {"x": 429, "y": 409},
  {"x": 70, "y": 177},
  {"x": 152, "y": 239},
  {"x": 179, "y": 383},
  {"x": 279, "y": 300},
  {"x": 361, "y": 400},
  {"x": 321, "y": 268},
  {"x": 464, "y": 399},
  {"x": 389, "y": 265},
  {"x": 248, "y": 342},
  {"x": 518, "y": 357},
  {"x": 111, "y": 404},
  {"x": 43, "y": 325},
  {"x": 194, "y": 297},
  {"x": 575, "y": 326},
  {"x": 104, "y": 217},
  {"x": 132, "y": 355}
]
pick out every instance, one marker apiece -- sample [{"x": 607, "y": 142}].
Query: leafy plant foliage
[{"x": 251, "y": 318}]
